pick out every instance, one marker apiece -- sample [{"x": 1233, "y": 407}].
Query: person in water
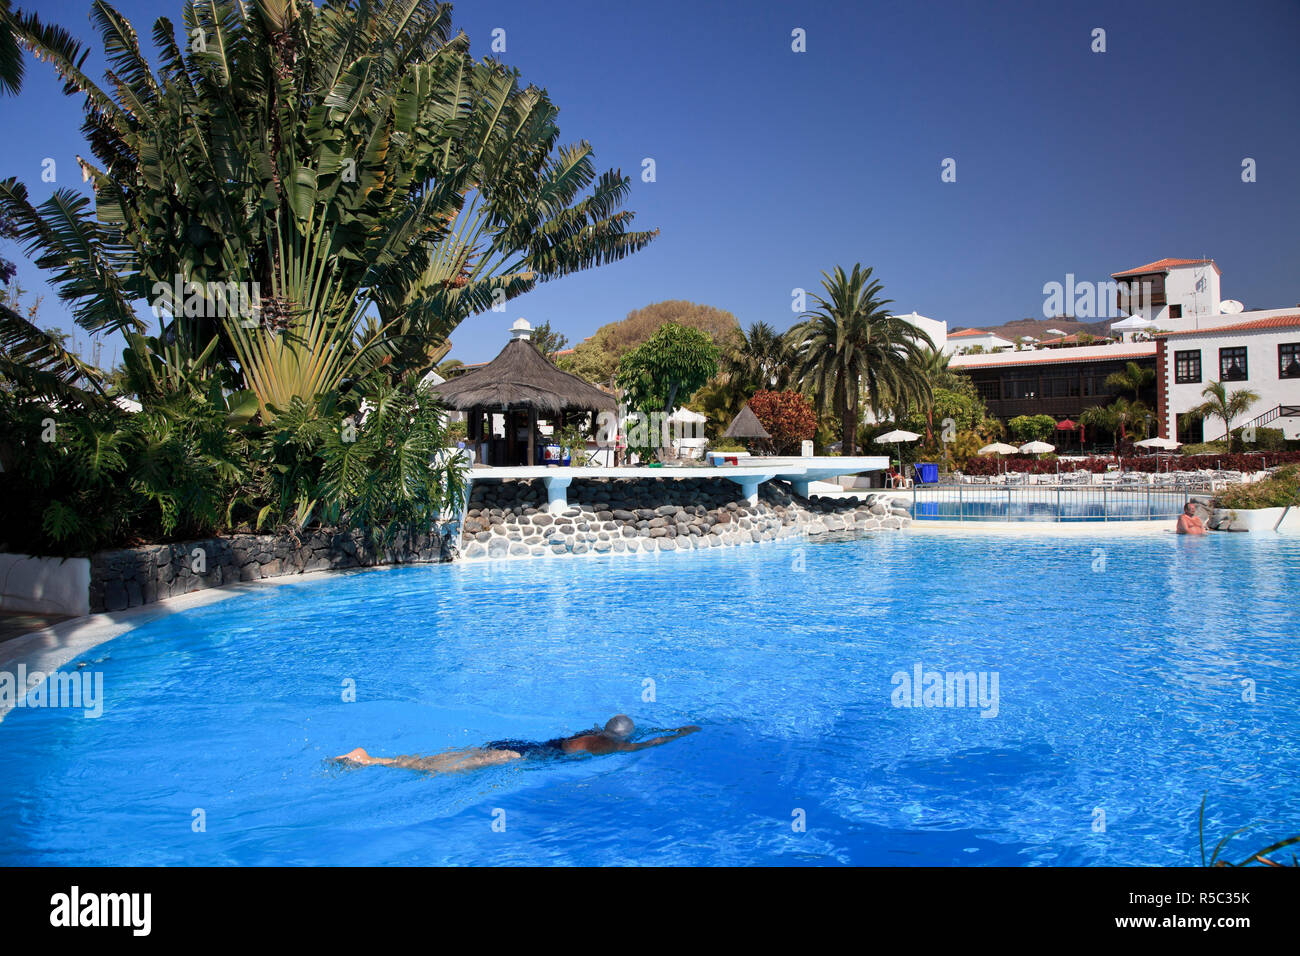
[
  {"x": 613, "y": 738},
  {"x": 1188, "y": 522}
]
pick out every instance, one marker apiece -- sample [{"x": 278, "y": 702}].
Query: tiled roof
[
  {"x": 1254, "y": 325},
  {"x": 1037, "y": 358},
  {"x": 1072, "y": 338},
  {"x": 1160, "y": 265},
  {"x": 966, "y": 332}
]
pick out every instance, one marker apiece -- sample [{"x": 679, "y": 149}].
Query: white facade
[
  {"x": 964, "y": 341},
  {"x": 1263, "y": 336},
  {"x": 936, "y": 329},
  {"x": 1192, "y": 297}
]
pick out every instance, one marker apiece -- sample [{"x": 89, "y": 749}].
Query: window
[
  {"x": 1288, "y": 360},
  {"x": 1020, "y": 388},
  {"x": 1187, "y": 367},
  {"x": 1175, "y": 312},
  {"x": 1232, "y": 365},
  {"x": 987, "y": 390}
]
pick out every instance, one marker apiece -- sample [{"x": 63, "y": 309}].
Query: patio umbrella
[
  {"x": 1068, "y": 426},
  {"x": 1037, "y": 448},
  {"x": 687, "y": 417},
  {"x": 1159, "y": 444},
  {"x": 896, "y": 438},
  {"x": 999, "y": 448}
]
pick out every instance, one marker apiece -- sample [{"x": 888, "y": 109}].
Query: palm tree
[
  {"x": 761, "y": 359},
  {"x": 933, "y": 364},
  {"x": 1224, "y": 406},
  {"x": 1100, "y": 418},
  {"x": 850, "y": 346},
  {"x": 1130, "y": 416},
  {"x": 1133, "y": 377},
  {"x": 350, "y": 165}
]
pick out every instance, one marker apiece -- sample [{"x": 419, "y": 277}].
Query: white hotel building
[{"x": 1195, "y": 338}]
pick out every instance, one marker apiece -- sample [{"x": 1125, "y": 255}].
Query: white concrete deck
[{"x": 798, "y": 471}]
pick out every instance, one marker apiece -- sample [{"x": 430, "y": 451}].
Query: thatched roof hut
[
  {"x": 746, "y": 425},
  {"x": 521, "y": 377},
  {"x": 522, "y": 385}
]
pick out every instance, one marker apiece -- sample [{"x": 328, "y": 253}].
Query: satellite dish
[{"x": 1230, "y": 307}]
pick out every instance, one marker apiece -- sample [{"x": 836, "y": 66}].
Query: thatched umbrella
[
  {"x": 746, "y": 425},
  {"x": 520, "y": 377}
]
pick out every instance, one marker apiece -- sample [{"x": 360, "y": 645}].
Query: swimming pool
[
  {"x": 1046, "y": 503},
  {"x": 1119, "y": 663}
]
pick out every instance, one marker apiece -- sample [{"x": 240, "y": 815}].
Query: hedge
[{"x": 1250, "y": 461}]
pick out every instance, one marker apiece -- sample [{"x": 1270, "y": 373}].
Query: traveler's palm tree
[
  {"x": 850, "y": 347},
  {"x": 375, "y": 182},
  {"x": 1225, "y": 406},
  {"x": 1133, "y": 377}
]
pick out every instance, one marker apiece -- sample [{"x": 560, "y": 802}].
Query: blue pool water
[
  {"x": 1119, "y": 691},
  {"x": 982, "y": 503}
]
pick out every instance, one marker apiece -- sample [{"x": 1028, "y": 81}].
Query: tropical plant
[
  {"x": 760, "y": 359},
  {"x": 596, "y": 358},
  {"x": 1133, "y": 377},
  {"x": 850, "y": 346},
  {"x": 349, "y": 171},
  {"x": 672, "y": 363},
  {"x": 1122, "y": 419},
  {"x": 1225, "y": 406}
]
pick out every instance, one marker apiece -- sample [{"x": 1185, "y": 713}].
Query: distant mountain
[{"x": 1037, "y": 328}]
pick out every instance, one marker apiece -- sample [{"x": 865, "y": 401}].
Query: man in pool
[
  {"x": 613, "y": 738},
  {"x": 1188, "y": 522}
]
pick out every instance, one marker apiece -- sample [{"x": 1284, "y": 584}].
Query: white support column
[
  {"x": 557, "y": 493},
  {"x": 749, "y": 485}
]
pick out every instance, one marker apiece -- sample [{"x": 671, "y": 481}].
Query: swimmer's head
[
  {"x": 1189, "y": 509},
  {"x": 619, "y": 727}
]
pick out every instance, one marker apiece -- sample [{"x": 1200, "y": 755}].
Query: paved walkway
[{"x": 14, "y": 624}]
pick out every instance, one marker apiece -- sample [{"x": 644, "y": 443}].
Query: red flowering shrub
[{"x": 788, "y": 417}]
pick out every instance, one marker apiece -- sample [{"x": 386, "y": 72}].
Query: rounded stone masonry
[
  {"x": 130, "y": 577},
  {"x": 626, "y": 516}
]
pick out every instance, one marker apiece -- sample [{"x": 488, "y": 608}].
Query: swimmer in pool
[{"x": 613, "y": 738}]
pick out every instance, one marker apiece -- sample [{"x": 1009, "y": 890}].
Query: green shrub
[{"x": 1278, "y": 490}]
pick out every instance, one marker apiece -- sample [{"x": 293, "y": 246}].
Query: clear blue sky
[{"x": 774, "y": 165}]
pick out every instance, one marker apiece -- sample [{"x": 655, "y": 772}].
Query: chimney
[{"x": 521, "y": 330}]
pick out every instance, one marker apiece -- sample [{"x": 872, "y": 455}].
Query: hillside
[{"x": 1037, "y": 328}]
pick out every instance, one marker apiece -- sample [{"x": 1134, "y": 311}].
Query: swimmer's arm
[{"x": 679, "y": 732}]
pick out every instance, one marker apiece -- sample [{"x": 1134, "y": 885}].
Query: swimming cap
[{"x": 620, "y": 726}]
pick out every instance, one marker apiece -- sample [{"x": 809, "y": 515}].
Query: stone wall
[
  {"x": 135, "y": 576},
  {"x": 510, "y": 518}
]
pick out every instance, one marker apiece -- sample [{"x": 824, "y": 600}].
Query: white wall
[
  {"x": 1180, "y": 289},
  {"x": 936, "y": 329},
  {"x": 988, "y": 341},
  {"x": 1261, "y": 368},
  {"x": 44, "y": 585}
]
